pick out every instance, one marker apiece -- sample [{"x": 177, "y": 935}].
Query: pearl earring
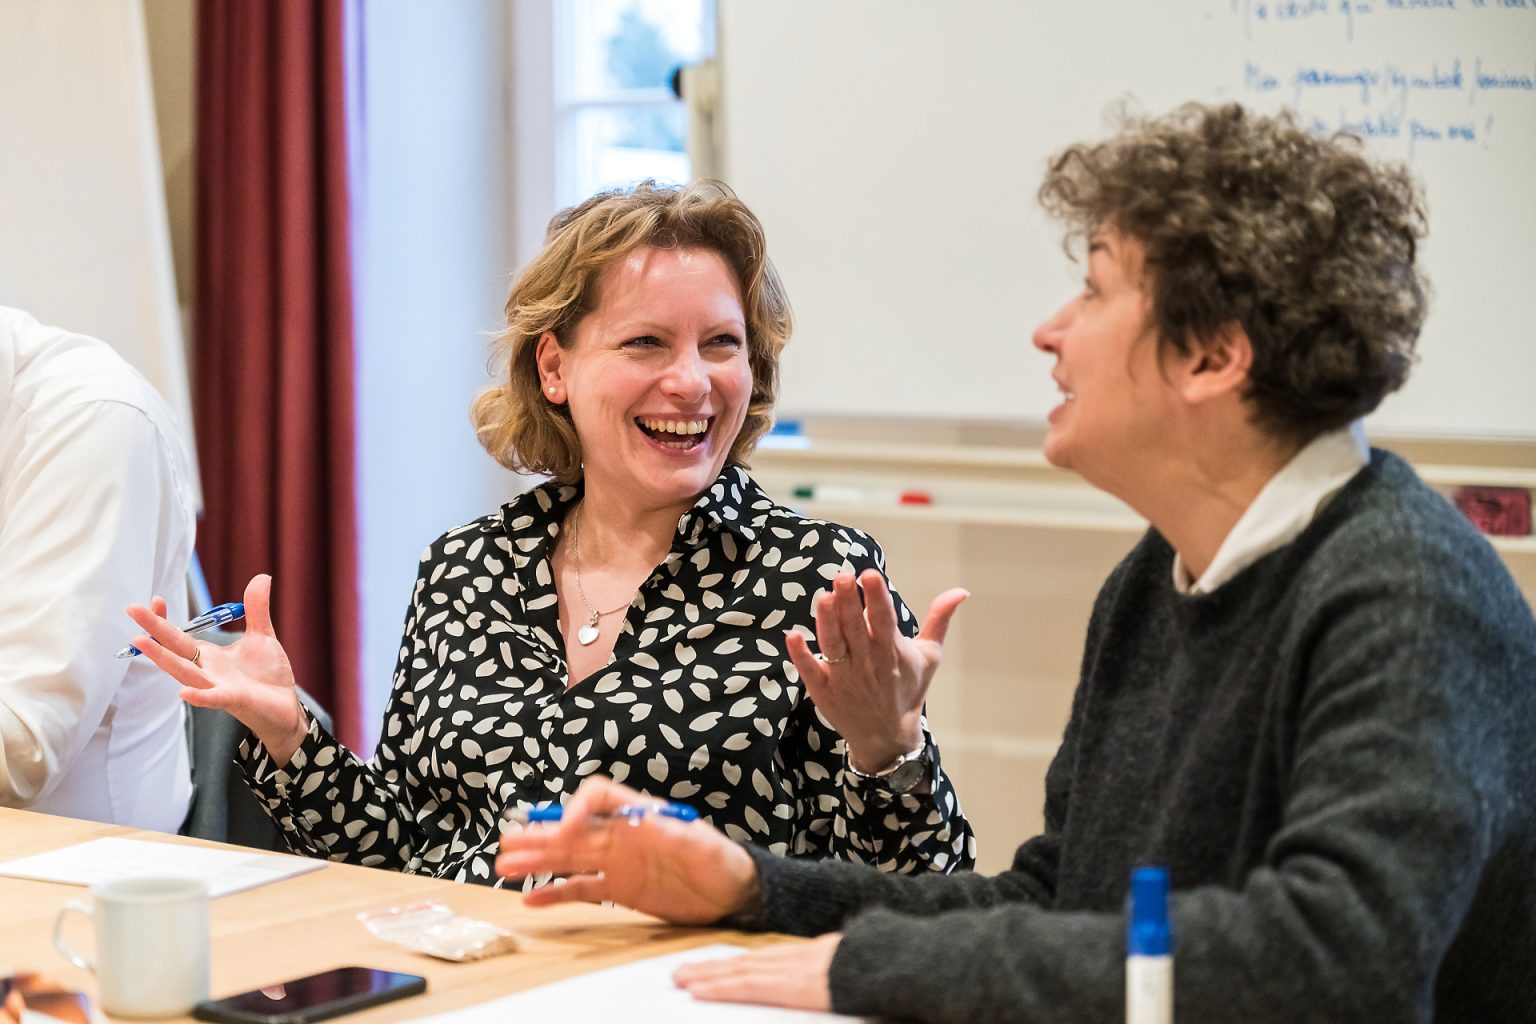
[{"x": 551, "y": 389}]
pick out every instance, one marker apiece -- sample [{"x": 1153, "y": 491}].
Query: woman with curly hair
[
  {"x": 1308, "y": 692},
  {"x": 643, "y": 614}
]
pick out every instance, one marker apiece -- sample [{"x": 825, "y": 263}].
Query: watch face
[{"x": 907, "y": 775}]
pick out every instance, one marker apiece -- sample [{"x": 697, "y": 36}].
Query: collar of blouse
[{"x": 730, "y": 503}]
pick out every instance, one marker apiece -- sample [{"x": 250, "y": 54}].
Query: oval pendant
[{"x": 586, "y": 635}]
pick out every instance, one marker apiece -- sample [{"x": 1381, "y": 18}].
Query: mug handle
[{"x": 58, "y": 934}]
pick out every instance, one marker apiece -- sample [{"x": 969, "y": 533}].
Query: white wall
[
  {"x": 84, "y": 241},
  {"x": 432, "y": 244},
  {"x": 170, "y": 26}
]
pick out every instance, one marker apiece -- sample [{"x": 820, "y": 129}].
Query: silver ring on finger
[{"x": 197, "y": 654}]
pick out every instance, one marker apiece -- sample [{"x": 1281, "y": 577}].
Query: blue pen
[
  {"x": 551, "y": 813},
  {"x": 213, "y": 618}
]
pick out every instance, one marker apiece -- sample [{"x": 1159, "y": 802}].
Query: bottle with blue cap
[{"x": 1149, "y": 950}]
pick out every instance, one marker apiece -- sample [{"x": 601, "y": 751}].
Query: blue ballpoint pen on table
[
  {"x": 551, "y": 813},
  {"x": 213, "y": 618}
]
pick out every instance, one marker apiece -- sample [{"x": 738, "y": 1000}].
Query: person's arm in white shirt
[{"x": 91, "y": 507}]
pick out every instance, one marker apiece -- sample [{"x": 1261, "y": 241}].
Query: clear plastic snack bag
[{"x": 435, "y": 930}]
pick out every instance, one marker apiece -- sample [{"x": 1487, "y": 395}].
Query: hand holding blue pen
[
  {"x": 550, "y": 813},
  {"x": 213, "y": 618},
  {"x": 252, "y": 678},
  {"x": 688, "y": 872}
]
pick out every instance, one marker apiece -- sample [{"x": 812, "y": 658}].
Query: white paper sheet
[
  {"x": 635, "y": 993},
  {"x": 101, "y": 860}
]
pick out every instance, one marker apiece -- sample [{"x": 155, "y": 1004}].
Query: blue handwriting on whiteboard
[
  {"x": 1437, "y": 79},
  {"x": 1505, "y": 79},
  {"x": 1379, "y": 126},
  {"x": 1257, "y": 79},
  {"x": 1295, "y": 10},
  {"x": 1363, "y": 79}
]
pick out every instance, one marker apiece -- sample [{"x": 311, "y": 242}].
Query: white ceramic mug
[{"x": 151, "y": 944}]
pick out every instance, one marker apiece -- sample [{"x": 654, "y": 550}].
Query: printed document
[
  {"x": 102, "y": 860},
  {"x": 637, "y": 993}
]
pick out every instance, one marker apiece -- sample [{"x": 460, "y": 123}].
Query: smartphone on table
[{"x": 317, "y": 997}]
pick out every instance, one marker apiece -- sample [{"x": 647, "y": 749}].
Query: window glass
[
  {"x": 621, "y": 121},
  {"x": 613, "y": 146}
]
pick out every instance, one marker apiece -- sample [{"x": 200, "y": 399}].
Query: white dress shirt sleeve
[{"x": 91, "y": 507}]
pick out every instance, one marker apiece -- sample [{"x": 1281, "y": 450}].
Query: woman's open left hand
[{"x": 870, "y": 681}]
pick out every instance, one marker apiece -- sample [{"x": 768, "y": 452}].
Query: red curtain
[{"x": 273, "y": 341}]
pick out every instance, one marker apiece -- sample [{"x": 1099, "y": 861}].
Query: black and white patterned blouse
[{"x": 699, "y": 704}]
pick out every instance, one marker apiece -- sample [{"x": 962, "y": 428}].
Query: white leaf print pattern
[
  {"x": 656, "y": 767},
  {"x": 696, "y": 700}
]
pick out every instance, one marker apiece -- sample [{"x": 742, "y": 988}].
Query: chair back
[{"x": 223, "y": 807}]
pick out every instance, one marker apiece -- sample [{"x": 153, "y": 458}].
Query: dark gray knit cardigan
[{"x": 1335, "y": 755}]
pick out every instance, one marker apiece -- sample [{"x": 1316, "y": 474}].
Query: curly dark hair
[{"x": 1304, "y": 241}]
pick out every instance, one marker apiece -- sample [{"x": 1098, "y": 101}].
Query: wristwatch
[{"x": 902, "y": 775}]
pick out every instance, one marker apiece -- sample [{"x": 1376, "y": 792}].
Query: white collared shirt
[
  {"x": 96, "y": 512},
  {"x": 1283, "y": 508}
]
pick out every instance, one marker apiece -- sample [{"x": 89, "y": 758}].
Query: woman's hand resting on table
[
  {"x": 793, "y": 974},
  {"x": 251, "y": 678},
  {"x": 870, "y": 681}
]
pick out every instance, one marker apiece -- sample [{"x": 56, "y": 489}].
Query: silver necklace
[{"x": 588, "y": 634}]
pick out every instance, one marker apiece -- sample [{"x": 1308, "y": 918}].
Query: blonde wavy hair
[{"x": 513, "y": 421}]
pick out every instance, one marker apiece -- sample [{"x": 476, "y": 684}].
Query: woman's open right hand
[{"x": 251, "y": 678}]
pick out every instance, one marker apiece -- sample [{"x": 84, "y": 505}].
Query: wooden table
[{"x": 306, "y": 924}]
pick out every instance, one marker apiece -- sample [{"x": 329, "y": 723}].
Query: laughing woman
[{"x": 635, "y": 616}]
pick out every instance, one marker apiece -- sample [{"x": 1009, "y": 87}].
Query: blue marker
[
  {"x": 551, "y": 813},
  {"x": 213, "y": 618},
  {"x": 1149, "y": 950},
  {"x": 785, "y": 434}
]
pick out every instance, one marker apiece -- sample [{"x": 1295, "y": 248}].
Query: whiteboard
[{"x": 893, "y": 149}]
